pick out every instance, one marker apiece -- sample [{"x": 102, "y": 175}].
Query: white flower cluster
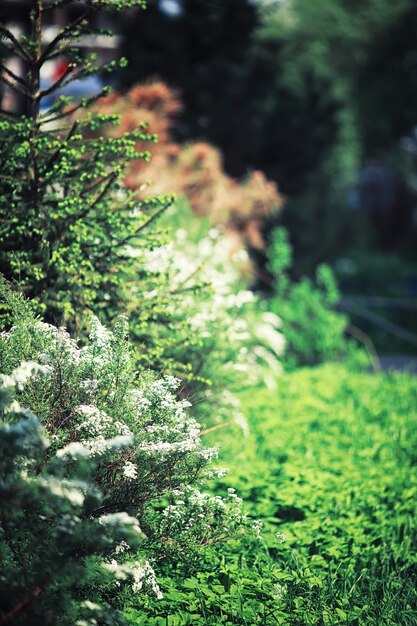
[
  {"x": 89, "y": 388},
  {"x": 74, "y": 450},
  {"x": 98, "y": 434},
  {"x": 196, "y": 518},
  {"x": 122, "y": 520},
  {"x": 57, "y": 343},
  {"x": 279, "y": 592},
  {"x": 140, "y": 402},
  {"x": 63, "y": 489},
  {"x": 167, "y": 427},
  {"x": 157, "y": 419},
  {"x": 100, "y": 353},
  {"x": 21, "y": 374},
  {"x": 141, "y": 573},
  {"x": 130, "y": 470},
  {"x": 95, "y": 423},
  {"x": 16, "y": 381}
]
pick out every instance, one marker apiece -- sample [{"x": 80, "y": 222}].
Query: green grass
[{"x": 331, "y": 464}]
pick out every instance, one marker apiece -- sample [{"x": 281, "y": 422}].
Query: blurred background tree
[
  {"x": 322, "y": 98},
  {"x": 291, "y": 88},
  {"x": 319, "y": 99}
]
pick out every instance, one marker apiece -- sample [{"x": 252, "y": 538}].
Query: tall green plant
[
  {"x": 313, "y": 329},
  {"x": 65, "y": 218}
]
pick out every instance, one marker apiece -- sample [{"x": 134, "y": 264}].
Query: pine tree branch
[
  {"x": 63, "y": 35},
  {"x": 15, "y": 86},
  {"x": 56, "y": 153},
  {"x": 12, "y": 75},
  {"x": 58, "y": 83},
  {"x": 96, "y": 184},
  {"x": 149, "y": 221},
  {"x": 101, "y": 195},
  {"x": 57, "y": 4},
  {"x": 19, "y": 49},
  {"x": 82, "y": 105}
]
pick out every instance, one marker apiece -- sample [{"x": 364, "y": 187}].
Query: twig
[
  {"x": 213, "y": 428},
  {"x": 12, "y": 75},
  {"x": 21, "y": 604},
  {"x": 369, "y": 346},
  {"x": 15, "y": 42},
  {"x": 63, "y": 34}
]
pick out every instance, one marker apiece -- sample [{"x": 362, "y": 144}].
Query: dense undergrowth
[
  {"x": 330, "y": 464},
  {"x": 131, "y": 347}
]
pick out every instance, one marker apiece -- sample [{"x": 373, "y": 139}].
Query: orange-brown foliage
[{"x": 194, "y": 170}]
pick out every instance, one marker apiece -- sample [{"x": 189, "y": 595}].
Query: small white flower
[
  {"x": 130, "y": 470},
  {"x": 74, "y": 450}
]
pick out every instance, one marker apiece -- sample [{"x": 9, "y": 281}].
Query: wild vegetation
[
  {"x": 176, "y": 450},
  {"x": 330, "y": 464}
]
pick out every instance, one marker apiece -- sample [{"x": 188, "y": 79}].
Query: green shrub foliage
[
  {"x": 313, "y": 329},
  {"x": 146, "y": 453},
  {"x": 66, "y": 219}
]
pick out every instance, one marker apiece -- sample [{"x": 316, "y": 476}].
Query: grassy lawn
[{"x": 331, "y": 464}]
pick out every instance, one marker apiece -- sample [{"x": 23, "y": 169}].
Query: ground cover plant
[{"x": 331, "y": 464}]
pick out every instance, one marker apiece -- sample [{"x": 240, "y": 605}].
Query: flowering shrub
[
  {"x": 226, "y": 338},
  {"x": 48, "y": 538},
  {"x": 149, "y": 460}
]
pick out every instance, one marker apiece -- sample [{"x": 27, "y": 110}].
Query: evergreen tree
[{"x": 66, "y": 219}]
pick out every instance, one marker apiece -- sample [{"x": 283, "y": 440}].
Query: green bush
[
  {"x": 313, "y": 330},
  {"x": 49, "y": 539},
  {"x": 67, "y": 222},
  {"x": 148, "y": 457}
]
